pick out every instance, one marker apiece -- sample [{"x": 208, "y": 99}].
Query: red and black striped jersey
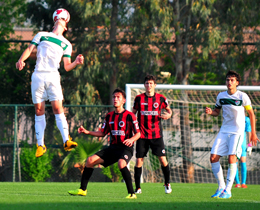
[
  {"x": 121, "y": 126},
  {"x": 149, "y": 111}
]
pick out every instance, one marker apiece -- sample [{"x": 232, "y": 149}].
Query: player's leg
[
  {"x": 243, "y": 164},
  {"x": 137, "y": 174},
  {"x": 40, "y": 125},
  {"x": 234, "y": 142},
  {"x": 158, "y": 149},
  {"x": 39, "y": 96},
  {"x": 218, "y": 150},
  {"x": 62, "y": 125},
  {"x": 87, "y": 173},
  {"x": 243, "y": 171},
  {"x": 122, "y": 164},
  {"x": 237, "y": 180},
  {"x": 142, "y": 147}
]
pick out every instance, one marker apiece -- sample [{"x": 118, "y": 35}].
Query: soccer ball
[{"x": 61, "y": 13}]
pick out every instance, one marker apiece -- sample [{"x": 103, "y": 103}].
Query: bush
[
  {"x": 32, "y": 168},
  {"x": 113, "y": 173}
]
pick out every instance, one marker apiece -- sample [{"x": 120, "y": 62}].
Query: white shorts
[
  {"x": 228, "y": 144},
  {"x": 46, "y": 86}
]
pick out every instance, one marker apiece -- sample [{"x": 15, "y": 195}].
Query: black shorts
[
  {"x": 112, "y": 154},
  {"x": 156, "y": 145}
]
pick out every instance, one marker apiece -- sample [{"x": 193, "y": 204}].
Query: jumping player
[
  {"x": 51, "y": 47},
  {"x": 148, "y": 107},
  {"x": 124, "y": 129},
  {"x": 231, "y": 135}
]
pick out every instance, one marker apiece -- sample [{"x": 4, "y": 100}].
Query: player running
[
  {"x": 124, "y": 129},
  {"x": 148, "y": 107},
  {"x": 51, "y": 47},
  {"x": 231, "y": 135}
]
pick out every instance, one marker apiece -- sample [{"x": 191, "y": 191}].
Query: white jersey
[
  {"x": 233, "y": 111},
  {"x": 50, "y": 49}
]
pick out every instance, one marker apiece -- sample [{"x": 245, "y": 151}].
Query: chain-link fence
[{"x": 18, "y": 146}]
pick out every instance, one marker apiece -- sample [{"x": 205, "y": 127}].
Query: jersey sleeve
[
  {"x": 136, "y": 105},
  {"x": 246, "y": 100},
  {"x": 218, "y": 104},
  {"x": 248, "y": 125},
  {"x": 135, "y": 124},
  {"x": 105, "y": 127},
  {"x": 68, "y": 51},
  {"x": 37, "y": 39},
  {"x": 165, "y": 102}
]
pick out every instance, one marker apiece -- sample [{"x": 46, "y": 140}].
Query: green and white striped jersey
[{"x": 50, "y": 49}]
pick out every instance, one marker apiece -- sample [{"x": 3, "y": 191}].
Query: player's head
[
  {"x": 232, "y": 75},
  {"x": 61, "y": 16},
  {"x": 150, "y": 84},
  {"x": 150, "y": 77},
  {"x": 119, "y": 97}
]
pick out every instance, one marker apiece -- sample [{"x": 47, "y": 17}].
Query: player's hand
[
  {"x": 165, "y": 115},
  {"x": 208, "y": 110},
  {"x": 81, "y": 129},
  {"x": 20, "y": 64},
  {"x": 254, "y": 139},
  {"x": 80, "y": 59},
  {"x": 128, "y": 142},
  {"x": 249, "y": 149}
]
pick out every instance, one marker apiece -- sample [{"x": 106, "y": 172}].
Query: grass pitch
[{"x": 31, "y": 196}]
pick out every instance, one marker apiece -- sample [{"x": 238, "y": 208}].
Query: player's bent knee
[{"x": 122, "y": 164}]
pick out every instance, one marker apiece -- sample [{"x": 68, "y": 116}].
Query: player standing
[
  {"x": 230, "y": 137},
  {"x": 243, "y": 157},
  {"x": 148, "y": 107},
  {"x": 124, "y": 129},
  {"x": 51, "y": 47}
]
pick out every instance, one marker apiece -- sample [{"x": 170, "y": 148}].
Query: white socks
[
  {"x": 62, "y": 124},
  {"x": 232, "y": 170},
  {"x": 40, "y": 124},
  {"x": 218, "y": 173}
]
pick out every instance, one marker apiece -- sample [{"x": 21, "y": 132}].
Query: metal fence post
[{"x": 15, "y": 140}]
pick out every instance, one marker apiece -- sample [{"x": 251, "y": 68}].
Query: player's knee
[
  {"x": 122, "y": 164},
  {"x": 90, "y": 163}
]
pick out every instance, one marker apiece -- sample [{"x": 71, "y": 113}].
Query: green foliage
[
  {"x": 79, "y": 155},
  {"x": 113, "y": 172},
  {"x": 35, "y": 169}
]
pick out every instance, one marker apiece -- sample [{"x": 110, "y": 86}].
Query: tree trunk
[{"x": 113, "y": 56}]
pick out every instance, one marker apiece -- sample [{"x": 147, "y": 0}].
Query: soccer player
[
  {"x": 243, "y": 157},
  {"x": 124, "y": 129},
  {"x": 51, "y": 47},
  {"x": 230, "y": 137},
  {"x": 148, "y": 107}
]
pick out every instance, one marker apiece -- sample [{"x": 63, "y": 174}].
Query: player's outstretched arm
[
  {"x": 69, "y": 66},
  {"x": 211, "y": 112},
  {"x": 130, "y": 142},
  {"x": 20, "y": 64},
  {"x": 81, "y": 129}
]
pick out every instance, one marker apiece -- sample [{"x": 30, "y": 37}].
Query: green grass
[{"x": 38, "y": 196}]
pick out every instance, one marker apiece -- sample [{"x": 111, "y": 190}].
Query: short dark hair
[
  {"x": 232, "y": 73},
  {"x": 119, "y": 90},
  {"x": 150, "y": 77}
]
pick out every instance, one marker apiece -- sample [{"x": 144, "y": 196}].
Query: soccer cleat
[
  {"x": 224, "y": 195},
  {"x": 237, "y": 186},
  {"x": 40, "y": 150},
  {"x": 244, "y": 186},
  {"x": 69, "y": 144},
  {"x": 131, "y": 196},
  {"x": 217, "y": 193},
  {"x": 138, "y": 191},
  {"x": 78, "y": 192},
  {"x": 168, "y": 189}
]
